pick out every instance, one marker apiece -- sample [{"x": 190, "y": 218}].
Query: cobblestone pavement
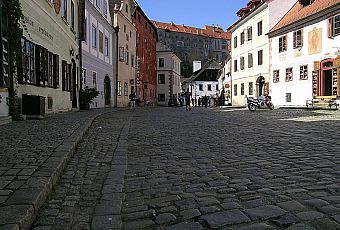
[
  {"x": 165, "y": 168},
  {"x": 33, "y": 154}
]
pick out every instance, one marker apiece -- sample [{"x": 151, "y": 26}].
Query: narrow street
[{"x": 165, "y": 168}]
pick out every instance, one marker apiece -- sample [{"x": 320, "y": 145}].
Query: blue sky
[{"x": 196, "y": 13}]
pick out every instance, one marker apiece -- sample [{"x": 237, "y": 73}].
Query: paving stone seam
[
  {"x": 67, "y": 149},
  {"x": 116, "y": 178}
]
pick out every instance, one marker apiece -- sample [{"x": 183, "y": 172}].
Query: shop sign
[{"x": 41, "y": 30}]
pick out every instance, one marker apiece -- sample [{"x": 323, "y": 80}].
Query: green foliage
[
  {"x": 87, "y": 95},
  {"x": 14, "y": 36}
]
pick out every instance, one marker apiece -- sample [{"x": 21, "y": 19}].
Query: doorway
[
  {"x": 325, "y": 86},
  {"x": 107, "y": 90},
  {"x": 260, "y": 83},
  {"x": 74, "y": 84}
]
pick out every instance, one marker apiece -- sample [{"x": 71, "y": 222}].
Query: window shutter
[
  {"x": 37, "y": 64},
  {"x": 55, "y": 71}
]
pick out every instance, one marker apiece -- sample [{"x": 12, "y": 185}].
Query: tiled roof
[
  {"x": 209, "y": 31},
  {"x": 298, "y": 12}
]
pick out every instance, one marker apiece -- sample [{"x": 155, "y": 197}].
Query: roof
[
  {"x": 248, "y": 10},
  {"x": 299, "y": 12},
  {"x": 208, "y": 31},
  {"x": 211, "y": 64}
]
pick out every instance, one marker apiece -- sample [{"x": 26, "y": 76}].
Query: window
[
  {"x": 289, "y": 74},
  {"x": 101, "y": 45},
  {"x": 242, "y": 88},
  {"x": 235, "y": 42},
  {"x": 83, "y": 76},
  {"x": 334, "y": 26},
  {"x": 64, "y": 9},
  {"x": 250, "y": 33},
  {"x": 216, "y": 87},
  {"x": 251, "y": 88},
  {"x": 297, "y": 39},
  {"x": 132, "y": 60},
  {"x": 242, "y": 63},
  {"x": 72, "y": 15},
  {"x": 121, "y": 54},
  {"x": 107, "y": 51},
  {"x": 127, "y": 58},
  {"x": 235, "y": 90},
  {"x": 259, "y": 28},
  {"x": 119, "y": 88},
  {"x": 126, "y": 8},
  {"x": 260, "y": 57},
  {"x": 50, "y": 70},
  {"x": 65, "y": 76},
  {"x": 94, "y": 36},
  {"x": 126, "y": 89},
  {"x": 28, "y": 62},
  {"x": 200, "y": 86},
  {"x": 105, "y": 8},
  {"x": 180, "y": 43},
  {"x": 304, "y": 72},
  {"x": 209, "y": 87},
  {"x": 250, "y": 60},
  {"x": 161, "y": 97},
  {"x": 288, "y": 97},
  {"x": 161, "y": 62},
  {"x": 235, "y": 65},
  {"x": 276, "y": 76},
  {"x": 98, "y": 4},
  {"x": 242, "y": 38},
  {"x": 94, "y": 80},
  {"x": 283, "y": 44},
  {"x": 161, "y": 78}
]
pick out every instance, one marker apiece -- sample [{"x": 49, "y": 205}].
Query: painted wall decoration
[{"x": 315, "y": 41}]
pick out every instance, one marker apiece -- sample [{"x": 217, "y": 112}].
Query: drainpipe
[{"x": 116, "y": 29}]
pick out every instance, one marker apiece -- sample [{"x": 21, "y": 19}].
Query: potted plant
[{"x": 86, "y": 97}]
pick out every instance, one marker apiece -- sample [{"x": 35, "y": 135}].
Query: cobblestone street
[{"x": 165, "y": 168}]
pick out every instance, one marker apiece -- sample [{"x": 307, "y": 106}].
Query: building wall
[
  {"x": 300, "y": 90},
  {"x": 146, "y": 57},
  {"x": 171, "y": 70},
  {"x": 224, "y": 82},
  {"x": 46, "y": 27},
  {"x": 127, "y": 49},
  {"x": 4, "y": 76},
  {"x": 196, "y": 92},
  {"x": 98, "y": 63},
  {"x": 193, "y": 48},
  {"x": 257, "y": 43}
]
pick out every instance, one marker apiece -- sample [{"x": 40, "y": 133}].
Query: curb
[{"x": 23, "y": 206}]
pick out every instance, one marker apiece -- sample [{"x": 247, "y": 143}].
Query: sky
[{"x": 196, "y": 13}]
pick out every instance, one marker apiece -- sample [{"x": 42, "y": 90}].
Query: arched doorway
[
  {"x": 260, "y": 86},
  {"x": 107, "y": 90},
  {"x": 74, "y": 84}
]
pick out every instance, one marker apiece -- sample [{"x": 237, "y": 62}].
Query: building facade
[
  {"x": 146, "y": 80},
  {"x": 50, "y": 49},
  {"x": 224, "y": 82},
  {"x": 121, "y": 14},
  {"x": 250, "y": 49},
  {"x": 4, "y": 67},
  {"x": 168, "y": 75},
  {"x": 97, "y": 53},
  {"x": 305, "y": 53},
  {"x": 193, "y": 44}
]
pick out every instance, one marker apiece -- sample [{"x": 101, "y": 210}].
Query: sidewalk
[{"x": 33, "y": 155}]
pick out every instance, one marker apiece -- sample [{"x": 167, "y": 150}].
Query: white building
[
  {"x": 97, "y": 53},
  {"x": 224, "y": 81},
  {"x": 168, "y": 75},
  {"x": 305, "y": 49},
  {"x": 250, "y": 49},
  {"x": 204, "y": 82}
]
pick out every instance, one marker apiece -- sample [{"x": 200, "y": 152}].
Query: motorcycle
[{"x": 260, "y": 103}]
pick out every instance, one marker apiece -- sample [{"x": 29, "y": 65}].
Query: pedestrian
[
  {"x": 132, "y": 98},
  {"x": 205, "y": 101},
  {"x": 187, "y": 96}
]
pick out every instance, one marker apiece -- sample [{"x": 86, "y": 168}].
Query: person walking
[
  {"x": 187, "y": 96},
  {"x": 132, "y": 98}
]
